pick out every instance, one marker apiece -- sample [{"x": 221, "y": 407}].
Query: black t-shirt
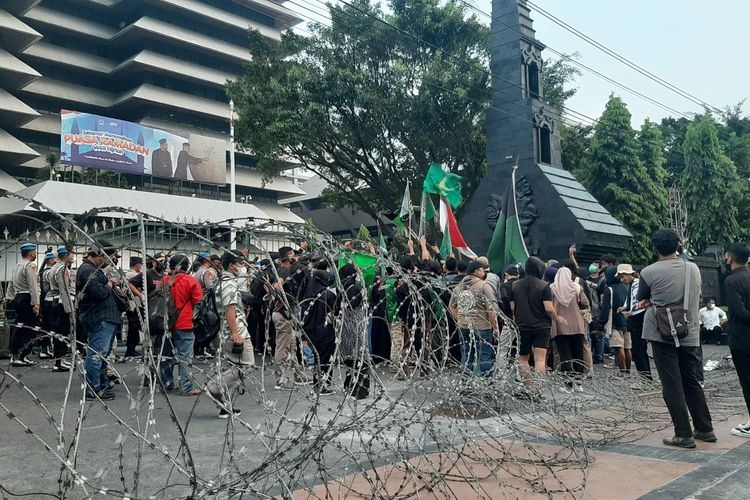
[{"x": 529, "y": 295}]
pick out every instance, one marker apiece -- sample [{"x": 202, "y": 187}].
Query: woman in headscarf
[
  {"x": 317, "y": 309},
  {"x": 352, "y": 348},
  {"x": 568, "y": 330}
]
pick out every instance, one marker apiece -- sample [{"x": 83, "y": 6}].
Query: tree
[
  {"x": 710, "y": 186},
  {"x": 556, "y": 78},
  {"x": 673, "y": 133},
  {"x": 366, "y": 106},
  {"x": 576, "y": 145},
  {"x": 652, "y": 154},
  {"x": 616, "y": 175}
]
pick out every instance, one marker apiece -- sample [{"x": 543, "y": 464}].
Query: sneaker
[
  {"x": 742, "y": 430},
  {"x": 610, "y": 367},
  {"x": 301, "y": 380},
  {"x": 103, "y": 395},
  {"x": 326, "y": 391},
  {"x": 707, "y": 437},
  {"x": 224, "y": 414},
  {"x": 578, "y": 388},
  {"x": 283, "y": 386},
  {"x": 679, "y": 442},
  {"x": 208, "y": 355},
  {"x": 61, "y": 368},
  {"x": 45, "y": 355},
  {"x": 567, "y": 390},
  {"x": 21, "y": 363}
]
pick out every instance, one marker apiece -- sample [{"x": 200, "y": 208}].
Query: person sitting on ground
[{"x": 712, "y": 320}]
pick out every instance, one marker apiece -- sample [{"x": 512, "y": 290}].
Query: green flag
[
  {"x": 430, "y": 214},
  {"x": 446, "y": 185},
  {"x": 446, "y": 248},
  {"x": 405, "y": 211},
  {"x": 507, "y": 245},
  {"x": 366, "y": 263}
]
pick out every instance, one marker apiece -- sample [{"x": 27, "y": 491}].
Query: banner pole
[{"x": 232, "y": 186}]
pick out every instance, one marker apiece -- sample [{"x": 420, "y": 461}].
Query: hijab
[
  {"x": 348, "y": 276},
  {"x": 564, "y": 289}
]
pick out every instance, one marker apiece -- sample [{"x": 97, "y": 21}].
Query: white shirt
[{"x": 711, "y": 318}]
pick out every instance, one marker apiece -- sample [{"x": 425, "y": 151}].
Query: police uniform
[
  {"x": 25, "y": 297},
  {"x": 45, "y": 309},
  {"x": 61, "y": 296}
]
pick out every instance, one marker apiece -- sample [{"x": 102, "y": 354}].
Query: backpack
[
  {"x": 206, "y": 318},
  {"x": 172, "y": 311}
]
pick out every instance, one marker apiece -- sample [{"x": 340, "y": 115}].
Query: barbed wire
[{"x": 427, "y": 426}]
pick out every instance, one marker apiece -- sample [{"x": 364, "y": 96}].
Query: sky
[{"x": 696, "y": 45}]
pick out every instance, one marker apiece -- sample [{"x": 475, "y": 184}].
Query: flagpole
[
  {"x": 515, "y": 205},
  {"x": 422, "y": 214},
  {"x": 411, "y": 211}
]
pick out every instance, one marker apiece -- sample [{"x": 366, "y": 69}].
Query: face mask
[{"x": 593, "y": 269}]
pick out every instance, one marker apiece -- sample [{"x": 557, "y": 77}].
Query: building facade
[{"x": 160, "y": 63}]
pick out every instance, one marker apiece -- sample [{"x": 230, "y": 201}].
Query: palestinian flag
[
  {"x": 445, "y": 185},
  {"x": 507, "y": 245},
  {"x": 449, "y": 224}
]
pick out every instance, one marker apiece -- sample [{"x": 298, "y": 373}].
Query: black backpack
[{"x": 206, "y": 318}]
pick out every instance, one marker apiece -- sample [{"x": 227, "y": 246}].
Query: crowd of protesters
[{"x": 309, "y": 313}]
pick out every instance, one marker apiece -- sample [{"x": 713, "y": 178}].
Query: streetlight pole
[{"x": 232, "y": 185}]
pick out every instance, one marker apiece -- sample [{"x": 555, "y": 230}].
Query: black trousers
[
  {"x": 56, "y": 321},
  {"x": 22, "y": 338},
  {"x": 134, "y": 333},
  {"x": 323, "y": 349},
  {"x": 357, "y": 381},
  {"x": 570, "y": 348},
  {"x": 741, "y": 360},
  {"x": 640, "y": 346},
  {"x": 713, "y": 335},
  {"x": 678, "y": 370}
]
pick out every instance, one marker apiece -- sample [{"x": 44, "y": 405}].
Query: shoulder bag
[{"x": 672, "y": 322}]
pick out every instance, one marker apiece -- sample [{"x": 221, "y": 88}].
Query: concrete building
[{"x": 159, "y": 63}]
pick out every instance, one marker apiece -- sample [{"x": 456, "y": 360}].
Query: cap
[
  {"x": 484, "y": 261},
  {"x": 160, "y": 256},
  {"x": 474, "y": 265},
  {"x": 28, "y": 246},
  {"x": 512, "y": 270},
  {"x": 162, "y": 141},
  {"x": 185, "y": 144},
  {"x": 49, "y": 255},
  {"x": 63, "y": 251},
  {"x": 553, "y": 263},
  {"x": 623, "y": 269}
]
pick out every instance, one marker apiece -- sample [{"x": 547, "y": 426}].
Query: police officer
[
  {"x": 25, "y": 292},
  {"x": 46, "y": 305},
  {"x": 62, "y": 294}
]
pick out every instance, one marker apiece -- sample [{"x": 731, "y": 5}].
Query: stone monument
[{"x": 554, "y": 209}]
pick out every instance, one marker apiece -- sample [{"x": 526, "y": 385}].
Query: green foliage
[
  {"x": 617, "y": 175},
  {"x": 673, "y": 133},
  {"x": 711, "y": 187},
  {"x": 576, "y": 145},
  {"x": 366, "y": 107},
  {"x": 556, "y": 79}
]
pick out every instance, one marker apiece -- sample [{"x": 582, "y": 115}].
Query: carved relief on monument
[
  {"x": 543, "y": 119},
  {"x": 527, "y": 211},
  {"x": 532, "y": 55}
]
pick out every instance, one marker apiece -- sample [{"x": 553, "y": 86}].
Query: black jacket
[{"x": 737, "y": 293}]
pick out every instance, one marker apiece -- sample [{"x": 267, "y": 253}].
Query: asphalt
[{"x": 99, "y": 441}]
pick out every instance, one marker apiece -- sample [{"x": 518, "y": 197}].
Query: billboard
[{"x": 94, "y": 141}]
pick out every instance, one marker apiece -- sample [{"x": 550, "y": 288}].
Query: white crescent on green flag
[{"x": 405, "y": 212}]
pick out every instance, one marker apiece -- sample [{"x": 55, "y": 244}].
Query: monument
[{"x": 554, "y": 209}]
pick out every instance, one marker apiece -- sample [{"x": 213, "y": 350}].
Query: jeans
[
  {"x": 98, "y": 348},
  {"x": 182, "y": 341},
  {"x": 678, "y": 370},
  {"x": 477, "y": 351},
  {"x": 597, "y": 349}
]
